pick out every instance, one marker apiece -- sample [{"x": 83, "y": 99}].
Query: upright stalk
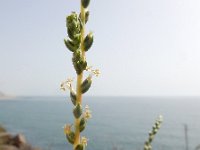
[{"x": 79, "y": 79}]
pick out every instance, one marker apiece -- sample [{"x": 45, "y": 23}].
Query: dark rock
[
  {"x": 19, "y": 140},
  {"x": 11, "y": 142}
]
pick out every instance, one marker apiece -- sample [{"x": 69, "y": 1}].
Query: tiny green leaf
[
  {"x": 79, "y": 147},
  {"x": 82, "y": 124},
  {"x": 77, "y": 111},
  {"x": 86, "y": 85},
  {"x": 88, "y": 41},
  {"x": 70, "y": 137},
  {"x": 73, "y": 97},
  {"x": 85, "y": 3},
  {"x": 70, "y": 45}
]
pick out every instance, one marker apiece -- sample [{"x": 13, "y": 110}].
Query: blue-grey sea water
[{"x": 118, "y": 123}]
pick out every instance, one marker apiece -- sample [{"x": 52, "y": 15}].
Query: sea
[{"x": 117, "y": 123}]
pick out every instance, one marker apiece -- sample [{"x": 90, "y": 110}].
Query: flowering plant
[{"x": 78, "y": 44}]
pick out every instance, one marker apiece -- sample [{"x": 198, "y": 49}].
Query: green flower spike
[{"x": 78, "y": 44}]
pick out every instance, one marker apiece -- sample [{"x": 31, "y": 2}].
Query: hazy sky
[{"x": 142, "y": 47}]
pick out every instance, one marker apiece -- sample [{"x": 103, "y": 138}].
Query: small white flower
[
  {"x": 66, "y": 84},
  {"x": 95, "y": 72},
  {"x": 88, "y": 68},
  {"x": 84, "y": 140},
  {"x": 87, "y": 114},
  {"x": 67, "y": 128}
]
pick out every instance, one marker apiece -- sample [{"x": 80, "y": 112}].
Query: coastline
[{"x": 5, "y": 98}]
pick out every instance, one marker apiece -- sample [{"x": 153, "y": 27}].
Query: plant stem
[
  {"x": 83, "y": 30},
  {"x": 79, "y": 80}
]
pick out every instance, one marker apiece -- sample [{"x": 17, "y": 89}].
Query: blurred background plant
[{"x": 152, "y": 133}]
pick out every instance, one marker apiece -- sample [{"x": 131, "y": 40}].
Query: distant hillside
[{"x": 2, "y": 94}]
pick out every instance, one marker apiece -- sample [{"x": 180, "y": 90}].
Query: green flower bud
[
  {"x": 86, "y": 84},
  {"x": 77, "y": 67},
  {"x": 88, "y": 41},
  {"x": 146, "y": 147},
  {"x": 73, "y": 97},
  {"x": 77, "y": 111},
  {"x": 155, "y": 131},
  {"x": 77, "y": 55},
  {"x": 154, "y": 127},
  {"x": 79, "y": 147},
  {"x": 151, "y": 138},
  {"x": 70, "y": 33},
  {"x": 78, "y": 62},
  {"x": 157, "y": 123},
  {"x": 71, "y": 137},
  {"x": 73, "y": 26},
  {"x": 71, "y": 20},
  {"x": 85, "y": 3},
  {"x": 83, "y": 65},
  {"x": 82, "y": 124},
  {"x": 150, "y": 133},
  {"x": 69, "y": 44}
]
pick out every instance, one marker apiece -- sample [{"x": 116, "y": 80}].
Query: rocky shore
[{"x": 9, "y": 141}]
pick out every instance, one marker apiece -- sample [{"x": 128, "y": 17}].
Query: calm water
[{"x": 121, "y": 123}]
